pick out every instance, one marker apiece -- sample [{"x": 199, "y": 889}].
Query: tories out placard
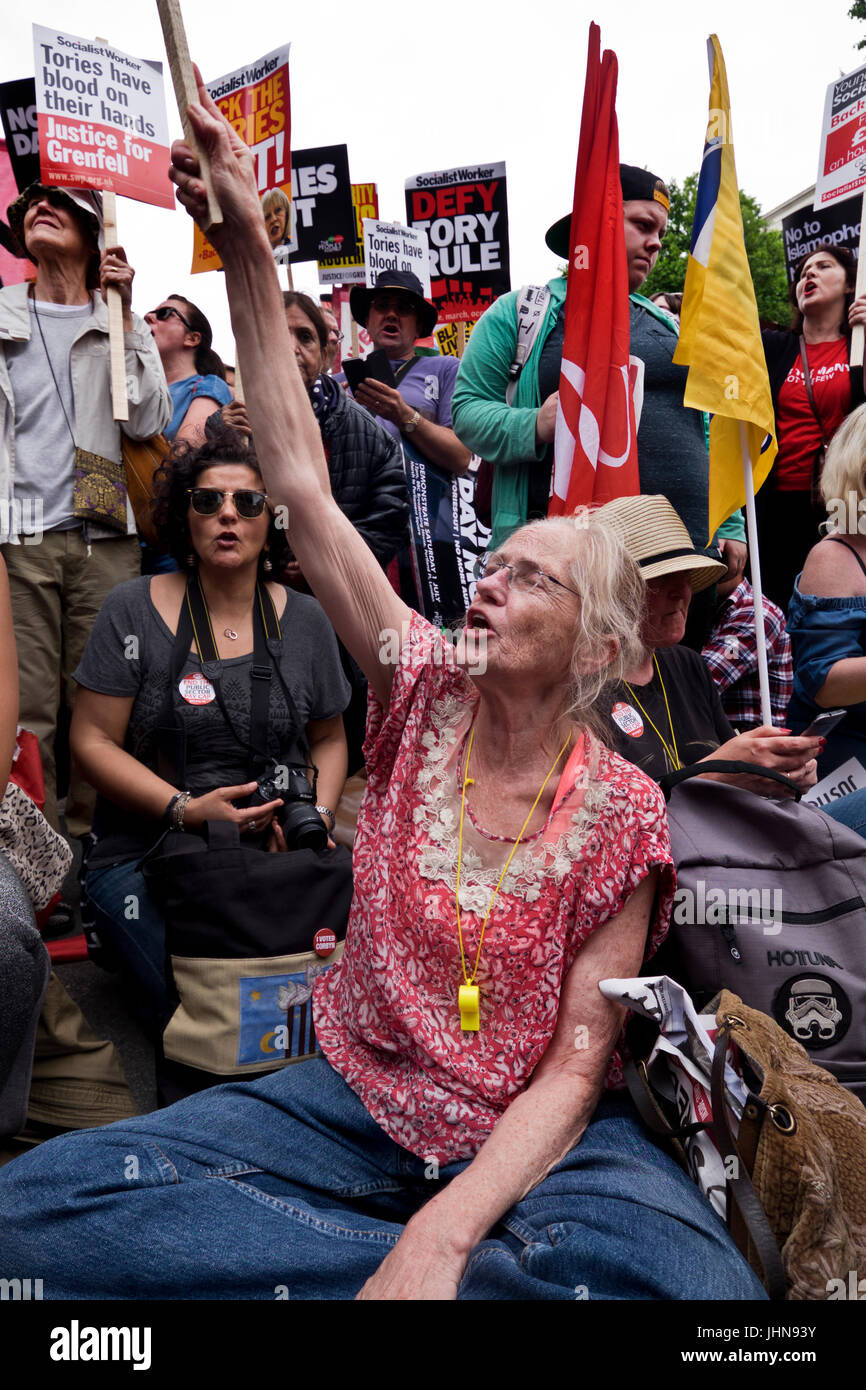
[
  {"x": 346, "y": 266},
  {"x": 842, "y": 160},
  {"x": 101, "y": 118},
  {"x": 464, "y": 213},
  {"x": 255, "y": 99},
  {"x": 324, "y": 214}
]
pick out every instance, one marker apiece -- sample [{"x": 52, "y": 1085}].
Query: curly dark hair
[{"x": 184, "y": 465}]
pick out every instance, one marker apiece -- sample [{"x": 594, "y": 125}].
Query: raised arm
[{"x": 340, "y": 569}]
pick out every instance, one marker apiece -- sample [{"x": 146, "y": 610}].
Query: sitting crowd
[{"x": 450, "y": 1137}]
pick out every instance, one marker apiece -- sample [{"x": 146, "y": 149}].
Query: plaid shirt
[{"x": 731, "y": 653}]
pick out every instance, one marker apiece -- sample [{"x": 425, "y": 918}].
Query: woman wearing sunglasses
[
  {"x": 459, "y": 1138},
  {"x": 194, "y": 372},
  {"x": 224, "y": 534}
]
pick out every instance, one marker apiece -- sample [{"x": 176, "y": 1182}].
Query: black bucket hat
[
  {"x": 82, "y": 201},
  {"x": 636, "y": 183},
  {"x": 409, "y": 284}
]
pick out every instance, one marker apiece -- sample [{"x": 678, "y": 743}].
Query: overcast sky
[{"x": 421, "y": 87}]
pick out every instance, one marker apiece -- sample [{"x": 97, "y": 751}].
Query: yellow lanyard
[
  {"x": 468, "y": 1001},
  {"x": 674, "y": 756}
]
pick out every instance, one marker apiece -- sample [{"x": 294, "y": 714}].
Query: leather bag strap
[{"x": 740, "y": 1186}]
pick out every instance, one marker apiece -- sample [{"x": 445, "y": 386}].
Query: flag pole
[{"x": 757, "y": 589}]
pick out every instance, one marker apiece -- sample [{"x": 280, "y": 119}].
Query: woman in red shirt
[{"x": 825, "y": 311}]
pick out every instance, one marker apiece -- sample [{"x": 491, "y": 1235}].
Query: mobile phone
[
  {"x": 375, "y": 365},
  {"x": 821, "y": 727}
]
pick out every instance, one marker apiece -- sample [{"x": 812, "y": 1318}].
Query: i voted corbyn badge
[
  {"x": 324, "y": 942},
  {"x": 627, "y": 719},
  {"x": 196, "y": 690}
]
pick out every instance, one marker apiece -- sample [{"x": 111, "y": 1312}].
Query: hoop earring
[{"x": 266, "y": 565}]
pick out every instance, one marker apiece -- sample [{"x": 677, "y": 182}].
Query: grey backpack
[{"x": 771, "y": 904}]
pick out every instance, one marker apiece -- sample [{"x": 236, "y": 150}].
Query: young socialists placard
[
  {"x": 465, "y": 215},
  {"x": 101, "y": 118}
]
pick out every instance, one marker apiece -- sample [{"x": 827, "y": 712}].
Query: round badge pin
[
  {"x": 196, "y": 690},
  {"x": 324, "y": 942},
  {"x": 627, "y": 719}
]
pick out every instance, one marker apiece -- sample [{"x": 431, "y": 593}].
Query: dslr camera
[{"x": 299, "y": 820}]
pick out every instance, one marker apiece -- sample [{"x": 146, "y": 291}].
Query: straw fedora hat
[{"x": 654, "y": 536}]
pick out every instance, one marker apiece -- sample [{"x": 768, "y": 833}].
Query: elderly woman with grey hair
[{"x": 461, "y": 1136}]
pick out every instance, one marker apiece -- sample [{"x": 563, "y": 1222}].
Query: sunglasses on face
[
  {"x": 383, "y": 304},
  {"x": 165, "y": 311},
  {"x": 206, "y": 501}
]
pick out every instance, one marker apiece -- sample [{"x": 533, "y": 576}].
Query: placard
[
  {"x": 391, "y": 246},
  {"x": 842, "y": 159},
  {"x": 805, "y": 231},
  {"x": 322, "y": 201},
  {"x": 101, "y": 118},
  {"x": 464, "y": 212},
  {"x": 256, "y": 100},
  {"x": 18, "y": 114},
  {"x": 348, "y": 269}
]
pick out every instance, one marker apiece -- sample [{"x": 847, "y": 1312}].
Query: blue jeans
[
  {"x": 126, "y": 916},
  {"x": 286, "y": 1187},
  {"x": 849, "y": 810}
]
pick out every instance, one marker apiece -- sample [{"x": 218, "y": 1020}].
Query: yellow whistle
[{"x": 467, "y": 1002}]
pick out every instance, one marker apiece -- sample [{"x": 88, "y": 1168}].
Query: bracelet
[
  {"x": 177, "y": 808},
  {"x": 326, "y": 811},
  {"x": 412, "y": 424}
]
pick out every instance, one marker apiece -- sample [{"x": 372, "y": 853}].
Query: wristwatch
[
  {"x": 411, "y": 424},
  {"x": 329, "y": 816}
]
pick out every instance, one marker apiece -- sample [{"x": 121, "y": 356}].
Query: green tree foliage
[
  {"x": 858, "y": 11},
  {"x": 764, "y": 249}
]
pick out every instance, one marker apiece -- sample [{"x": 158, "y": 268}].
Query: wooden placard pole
[
  {"x": 114, "y": 304},
  {"x": 238, "y": 387},
  {"x": 185, "y": 91},
  {"x": 859, "y": 288},
  {"x": 356, "y": 342},
  {"x": 116, "y": 351},
  {"x": 461, "y": 338}
]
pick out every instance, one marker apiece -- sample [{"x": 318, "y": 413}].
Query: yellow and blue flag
[{"x": 720, "y": 336}]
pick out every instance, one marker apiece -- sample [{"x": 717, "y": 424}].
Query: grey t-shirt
[
  {"x": 129, "y": 654},
  {"x": 44, "y": 451}
]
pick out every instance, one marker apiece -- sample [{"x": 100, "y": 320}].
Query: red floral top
[{"x": 386, "y": 1014}]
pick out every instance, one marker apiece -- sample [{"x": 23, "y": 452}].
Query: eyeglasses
[
  {"x": 334, "y": 335},
  {"x": 165, "y": 311},
  {"x": 524, "y": 575},
  {"x": 206, "y": 501},
  {"x": 384, "y": 303}
]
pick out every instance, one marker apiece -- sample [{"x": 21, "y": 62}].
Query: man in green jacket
[{"x": 517, "y": 437}]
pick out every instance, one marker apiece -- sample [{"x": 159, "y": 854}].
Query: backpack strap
[{"x": 531, "y": 306}]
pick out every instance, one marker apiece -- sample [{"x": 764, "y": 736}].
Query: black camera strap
[{"x": 194, "y": 626}]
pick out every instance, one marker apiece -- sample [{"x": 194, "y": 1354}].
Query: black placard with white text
[
  {"x": 323, "y": 211},
  {"x": 464, "y": 212}
]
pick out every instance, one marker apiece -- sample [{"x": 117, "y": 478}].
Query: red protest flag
[{"x": 595, "y": 446}]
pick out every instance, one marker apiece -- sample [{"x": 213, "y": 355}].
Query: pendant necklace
[
  {"x": 230, "y": 633},
  {"x": 468, "y": 994}
]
